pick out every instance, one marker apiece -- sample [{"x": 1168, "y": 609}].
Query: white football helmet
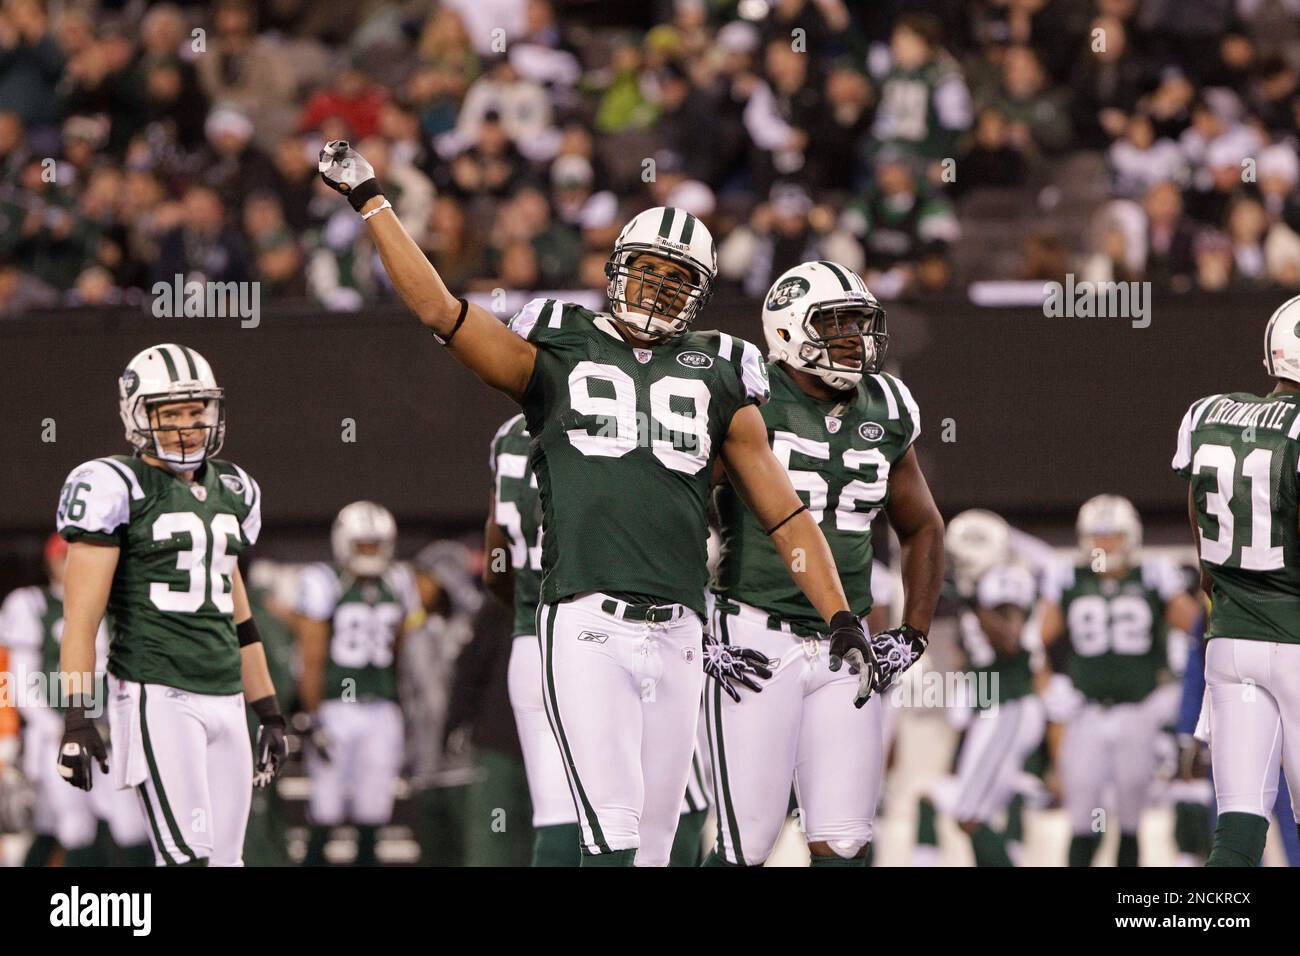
[
  {"x": 1282, "y": 342},
  {"x": 1110, "y": 515},
  {"x": 976, "y": 541},
  {"x": 806, "y": 309},
  {"x": 364, "y": 522},
  {"x": 161, "y": 375},
  {"x": 680, "y": 237}
]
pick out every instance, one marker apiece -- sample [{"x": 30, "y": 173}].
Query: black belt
[{"x": 648, "y": 613}]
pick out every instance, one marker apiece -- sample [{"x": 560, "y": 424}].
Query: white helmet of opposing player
[
  {"x": 812, "y": 307},
  {"x": 364, "y": 523},
  {"x": 164, "y": 375},
  {"x": 1107, "y": 516},
  {"x": 665, "y": 306},
  {"x": 977, "y": 541},
  {"x": 1282, "y": 342}
]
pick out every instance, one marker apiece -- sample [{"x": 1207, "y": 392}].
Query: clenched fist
[{"x": 346, "y": 171}]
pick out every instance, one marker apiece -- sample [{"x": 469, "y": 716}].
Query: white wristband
[{"x": 378, "y": 209}]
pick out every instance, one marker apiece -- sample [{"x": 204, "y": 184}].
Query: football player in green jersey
[
  {"x": 1112, "y": 608},
  {"x": 1240, "y": 453},
  {"x": 155, "y": 538},
  {"x": 31, "y": 627},
  {"x": 350, "y": 620},
  {"x": 844, "y": 431},
  {"x": 628, "y": 411}
]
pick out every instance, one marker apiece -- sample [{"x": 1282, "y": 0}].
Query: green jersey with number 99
[
  {"x": 838, "y": 456},
  {"x": 518, "y": 511},
  {"x": 171, "y": 606},
  {"x": 624, "y": 440},
  {"x": 366, "y": 616},
  {"x": 1240, "y": 453},
  {"x": 1115, "y": 627}
]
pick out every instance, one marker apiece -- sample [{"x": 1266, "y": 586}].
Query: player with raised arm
[
  {"x": 1240, "y": 453},
  {"x": 1113, "y": 607},
  {"x": 154, "y": 540},
  {"x": 844, "y": 430},
  {"x": 628, "y": 411},
  {"x": 349, "y": 622}
]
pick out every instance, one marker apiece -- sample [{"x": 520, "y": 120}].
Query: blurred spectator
[
  {"x": 1273, "y": 90},
  {"x": 1037, "y": 114},
  {"x": 1169, "y": 105},
  {"x": 1106, "y": 84},
  {"x": 990, "y": 159},
  {"x": 541, "y": 54},
  {"x": 94, "y": 287},
  {"x": 837, "y": 130},
  {"x": 490, "y": 167},
  {"x": 624, "y": 102},
  {"x": 353, "y": 99},
  {"x": 780, "y": 234},
  {"x": 1214, "y": 261},
  {"x": 578, "y": 205},
  {"x": 277, "y": 258},
  {"x": 233, "y": 166},
  {"x": 408, "y": 189},
  {"x": 1137, "y": 160},
  {"x": 1045, "y": 257},
  {"x": 13, "y": 147},
  {"x": 1247, "y": 224},
  {"x": 924, "y": 103},
  {"x": 455, "y": 250},
  {"x": 554, "y": 250},
  {"x": 295, "y": 179},
  {"x": 203, "y": 247},
  {"x": 31, "y": 65},
  {"x": 247, "y": 70},
  {"x": 447, "y": 66},
  {"x": 1171, "y": 238},
  {"x": 20, "y": 292},
  {"x": 672, "y": 186},
  {"x": 520, "y": 106}
]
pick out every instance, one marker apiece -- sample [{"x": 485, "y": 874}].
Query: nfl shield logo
[
  {"x": 832, "y": 424},
  {"x": 642, "y": 355},
  {"x": 199, "y": 492}
]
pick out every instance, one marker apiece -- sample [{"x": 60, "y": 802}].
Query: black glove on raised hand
[
  {"x": 849, "y": 645},
  {"x": 730, "y": 665},
  {"x": 80, "y": 745},
  {"x": 896, "y": 649},
  {"x": 346, "y": 171},
  {"x": 271, "y": 748}
]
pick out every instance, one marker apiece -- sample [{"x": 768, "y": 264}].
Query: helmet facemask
[
  {"x": 150, "y": 432},
  {"x": 828, "y": 326},
  {"x": 655, "y": 306}
]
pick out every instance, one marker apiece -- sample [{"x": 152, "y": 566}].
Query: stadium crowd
[{"x": 143, "y": 141}]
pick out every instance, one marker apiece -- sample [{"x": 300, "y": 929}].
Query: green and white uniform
[
  {"x": 803, "y": 729},
  {"x": 1008, "y": 720},
  {"x": 518, "y": 512},
  {"x": 176, "y": 706},
  {"x": 1115, "y": 629},
  {"x": 624, "y": 438},
  {"x": 924, "y": 109},
  {"x": 1240, "y": 454},
  {"x": 31, "y": 627},
  {"x": 359, "y": 711}
]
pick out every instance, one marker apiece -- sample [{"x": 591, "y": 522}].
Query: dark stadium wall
[{"x": 1040, "y": 413}]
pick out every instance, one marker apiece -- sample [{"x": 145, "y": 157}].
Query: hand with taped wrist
[{"x": 346, "y": 171}]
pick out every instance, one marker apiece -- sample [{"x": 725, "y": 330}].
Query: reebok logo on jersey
[
  {"x": 593, "y": 637},
  {"x": 73, "y": 909},
  {"x": 871, "y": 431},
  {"x": 694, "y": 360}
]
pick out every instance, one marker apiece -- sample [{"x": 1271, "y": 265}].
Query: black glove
[
  {"x": 730, "y": 665},
  {"x": 896, "y": 649},
  {"x": 849, "y": 645},
  {"x": 270, "y": 741},
  {"x": 81, "y": 743},
  {"x": 346, "y": 171}
]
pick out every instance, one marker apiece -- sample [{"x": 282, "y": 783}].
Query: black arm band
[
  {"x": 363, "y": 193},
  {"x": 782, "y": 522},
  {"x": 267, "y": 709},
  {"x": 247, "y": 633},
  {"x": 460, "y": 320}
]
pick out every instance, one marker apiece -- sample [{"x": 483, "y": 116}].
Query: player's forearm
[
  {"x": 416, "y": 281},
  {"x": 254, "y": 672},
  {"x": 803, "y": 548},
  {"x": 922, "y": 575}
]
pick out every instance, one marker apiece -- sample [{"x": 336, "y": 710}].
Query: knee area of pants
[
  {"x": 843, "y": 841},
  {"x": 843, "y": 847}
]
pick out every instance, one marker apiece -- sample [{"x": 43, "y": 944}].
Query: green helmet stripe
[
  {"x": 171, "y": 365},
  {"x": 666, "y": 223},
  {"x": 839, "y": 274},
  {"x": 688, "y": 229},
  {"x": 189, "y": 360}
]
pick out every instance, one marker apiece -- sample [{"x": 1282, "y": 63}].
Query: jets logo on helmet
[
  {"x": 821, "y": 318},
  {"x": 363, "y": 539},
  {"x": 652, "y": 305},
  {"x": 1282, "y": 341},
  {"x": 165, "y": 375},
  {"x": 1110, "y": 516}
]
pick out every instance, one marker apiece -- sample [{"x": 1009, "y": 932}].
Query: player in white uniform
[
  {"x": 31, "y": 626},
  {"x": 1112, "y": 608},
  {"x": 155, "y": 540},
  {"x": 350, "y": 622}
]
